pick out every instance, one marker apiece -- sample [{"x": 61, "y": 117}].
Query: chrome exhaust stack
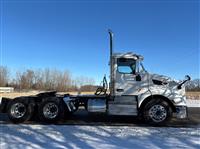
[{"x": 112, "y": 88}]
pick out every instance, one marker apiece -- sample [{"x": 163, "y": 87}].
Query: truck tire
[
  {"x": 50, "y": 110},
  {"x": 157, "y": 112},
  {"x": 19, "y": 110}
]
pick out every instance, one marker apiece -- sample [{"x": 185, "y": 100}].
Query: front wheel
[{"x": 157, "y": 112}]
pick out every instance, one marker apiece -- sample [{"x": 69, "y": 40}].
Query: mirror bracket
[{"x": 138, "y": 77}]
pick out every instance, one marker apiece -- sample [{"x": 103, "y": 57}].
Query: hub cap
[
  {"x": 18, "y": 110},
  {"x": 157, "y": 113},
  {"x": 50, "y": 110}
]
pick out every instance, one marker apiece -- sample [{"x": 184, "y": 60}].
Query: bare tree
[
  {"x": 47, "y": 79},
  {"x": 4, "y": 76},
  {"x": 38, "y": 80},
  {"x": 26, "y": 79}
]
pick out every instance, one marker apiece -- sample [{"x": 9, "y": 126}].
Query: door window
[
  {"x": 127, "y": 66},
  {"x": 124, "y": 69}
]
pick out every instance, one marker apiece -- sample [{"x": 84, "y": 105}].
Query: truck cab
[{"x": 138, "y": 92}]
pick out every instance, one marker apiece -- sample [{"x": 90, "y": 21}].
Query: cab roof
[{"x": 128, "y": 55}]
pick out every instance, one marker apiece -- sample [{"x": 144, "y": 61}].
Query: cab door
[
  {"x": 125, "y": 77},
  {"x": 125, "y": 84}
]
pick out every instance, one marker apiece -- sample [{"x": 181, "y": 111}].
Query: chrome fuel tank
[{"x": 96, "y": 105}]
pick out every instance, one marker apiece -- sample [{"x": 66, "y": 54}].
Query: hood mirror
[{"x": 187, "y": 77}]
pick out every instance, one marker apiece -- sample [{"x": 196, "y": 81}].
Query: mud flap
[{"x": 3, "y": 104}]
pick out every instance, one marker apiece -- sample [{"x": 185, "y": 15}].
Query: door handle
[
  {"x": 120, "y": 90},
  {"x": 131, "y": 79}
]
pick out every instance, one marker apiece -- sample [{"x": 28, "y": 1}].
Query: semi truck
[{"x": 132, "y": 91}]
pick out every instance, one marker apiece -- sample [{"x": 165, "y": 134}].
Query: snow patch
[
  {"x": 98, "y": 137},
  {"x": 193, "y": 103}
]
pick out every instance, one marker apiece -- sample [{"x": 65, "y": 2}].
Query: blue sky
[{"x": 73, "y": 35}]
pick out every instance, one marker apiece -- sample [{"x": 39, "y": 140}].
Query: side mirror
[
  {"x": 138, "y": 77},
  {"x": 187, "y": 77}
]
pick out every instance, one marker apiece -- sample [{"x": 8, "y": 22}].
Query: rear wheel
[
  {"x": 157, "y": 112},
  {"x": 19, "y": 110},
  {"x": 50, "y": 110}
]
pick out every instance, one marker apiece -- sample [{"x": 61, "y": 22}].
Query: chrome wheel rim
[
  {"x": 18, "y": 110},
  {"x": 50, "y": 110},
  {"x": 158, "y": 113}
]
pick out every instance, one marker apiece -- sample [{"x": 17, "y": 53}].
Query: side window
[
  {"x": 126, "y": 66},
  {"x": 124, "y": 69}
]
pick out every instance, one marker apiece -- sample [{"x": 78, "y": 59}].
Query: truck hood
[
  {"x": 160, "y": 77},
  {"x": 164, "y": 79}
]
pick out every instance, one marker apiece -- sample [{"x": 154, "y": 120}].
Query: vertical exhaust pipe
[
  {"x": 111, "y": 64},
  {"x": 111, "y": 43}
]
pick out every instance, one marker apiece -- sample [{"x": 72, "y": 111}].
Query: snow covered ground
[
  {"x": 193, "y": 103},
  {"x": 99, "y": 137}
]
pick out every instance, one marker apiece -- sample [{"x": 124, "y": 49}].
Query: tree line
[
  {"x": 53, "y": 79},
  {"x": 45, "y": 79}
]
